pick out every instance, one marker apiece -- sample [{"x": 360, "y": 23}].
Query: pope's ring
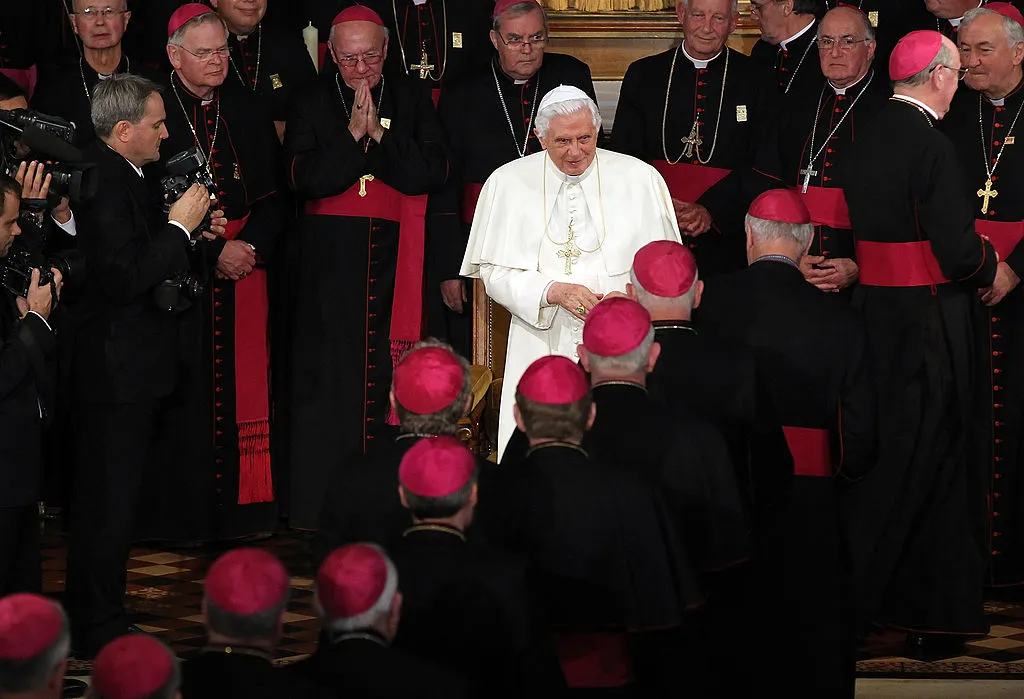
[{"x": 581, "y": 310}]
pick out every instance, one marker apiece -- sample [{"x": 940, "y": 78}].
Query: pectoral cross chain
[
  {"x": 570, "y": 251},
  {"x": 692, "y": 141},
  {"x": 362, "y": 184},
  {"x": 986, "y": 195},
  {"x": 423, "y": 67},
  {"x": 808, "y": 173}
]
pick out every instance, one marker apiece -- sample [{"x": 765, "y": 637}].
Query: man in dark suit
[
  {"x": 127, "y": 346},
  {"x": 358, "y": 596},
  {"x": 811, "y": 353},
  {"x": 25, "y": 340}
]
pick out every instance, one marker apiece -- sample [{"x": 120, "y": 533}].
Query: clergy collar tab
[
  {"x": 697, "y": 62},
  {"x": 844, "y": 90},
  {"x": 786, "y": 42}
]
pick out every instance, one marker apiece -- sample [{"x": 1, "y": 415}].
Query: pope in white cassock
[{"x": 556, "y": 231}]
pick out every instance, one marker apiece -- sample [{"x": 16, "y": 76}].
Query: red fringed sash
[
  {"x": 810, "y": 450},
  {"x": 898, "y": 264},
  {"x": 827, "y": 206},
  {"x": 688, "y": 182},
  {"x": 594, "y": 660},
  {"x": 1004, "y": 235},
  {"x": 252, "y": 385}
]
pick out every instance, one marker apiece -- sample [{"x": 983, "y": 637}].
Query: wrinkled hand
[
  {"x": 218, "y": 225},
  {"x": 373, "y": 128},
  {"x": 236, "y": 260},
  {"x": 40, "y": 299},
  {"x": 1006, "y": 281},
  {"x": 190, "y": 209},
  {"x": 572, "y": 296},
  {"x": 358, "y": 123},
  {"x": 453, "y": 291},
  {"x": 830, "y": 275},
  {"x": 693, "y": 219},
  {"x": 34, "y": 184}
]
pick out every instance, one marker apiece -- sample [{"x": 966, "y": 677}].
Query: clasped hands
[
  {"x": 830, "y": 275},
  {"x": 1006, "y": 280},
  {"x": 237, "y": 259},
  {"x": 364, "y": 120},
  {"x": 693, "y": 219}
]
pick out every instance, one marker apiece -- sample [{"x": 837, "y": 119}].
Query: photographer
[
  {"x": 126, "y": 358},
  {"x": 25, "y": 340}
]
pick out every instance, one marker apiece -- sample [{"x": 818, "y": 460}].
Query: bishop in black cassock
[
  {"x": 217, "y": 446},
  {"x": 363, "y": 150},
  {"x": 786, "y": 47},
  {"x": 983, "y": 124},
  {"x": 921, "y": 265},
  {"x": 696, "y": 113},
  {"x": 890, "y": 19}
]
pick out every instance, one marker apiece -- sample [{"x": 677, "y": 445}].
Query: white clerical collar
[
  {"x": 842, "y": 90},
  {"x": 956, "y": 21},
  {"x": 918, "y": 103},
  {"x": 572, "y": 179},
  {"x": 999, "y": 102},
  {"x": 697, "y": 63},
  {"x": 796, "y": 36},
  {"x": 419, "y": 2}
]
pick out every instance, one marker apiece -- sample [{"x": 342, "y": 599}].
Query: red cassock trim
[
  {"x": 1004, "y": 235},
  {"x": 252, "y": 385},
  {"x": 25, "y": 77},
  {"x": 435, "y": 95},
  {"x": 827, "y": 206},
  {"x": 382, "y": 201},
  {"x": 688, "y": 182},
  {"x": 470, "y": 195},
  {"x": 594, "y": 660},
  {"x": 810, "y": 450},
  {"x": 321, "y": 55},
  {"x": 898, "y": 264}
]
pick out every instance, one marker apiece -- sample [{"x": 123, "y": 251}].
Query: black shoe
[
  {"x": 73, "y": 689},
  {"x": 934, "y": 646}
]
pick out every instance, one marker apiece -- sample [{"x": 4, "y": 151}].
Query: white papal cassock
[{"x": 618, "y": 205}]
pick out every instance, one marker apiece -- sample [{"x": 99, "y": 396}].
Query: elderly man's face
[
  {"x": 359, "y": 50},
  {"x": 241, "y": 16},
  {"x": 520, "y": 43},
  {"x": 9, "y": 229},
  {"x": 950, "y": 9},
  {"x": 571, "y": 142},
  {"x": 100, "y": 24},
  {"x": 771, "y": 19},
  {"x": 849, "y": 57},
  {"x": 706, "y": 26},
  {"x": 993, "y": 63},
  {"x": 202, "y": 58}
]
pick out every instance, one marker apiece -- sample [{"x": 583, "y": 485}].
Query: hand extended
[
  {"x": 358, "y": 124},
  {"x": 34, "y": 184},
  {"x": 190, "y": 209},
  {"x": 572, "y": 296},
  {"x": 1006, "y": 281},
  {"x": 453, "y": 291},
  {"x": 830, "y": 274},
  {"x": 693, "y": 219},
  {"x": 218, "y": 225},
  {"x": 40, "y": 298},
  {"x": 236, "y": 260}
]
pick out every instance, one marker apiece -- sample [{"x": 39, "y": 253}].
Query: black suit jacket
[
  {"x": 127, "y": 347},
  {"x": 24, "y": 345},
  {"x": 219, "y": 675}
]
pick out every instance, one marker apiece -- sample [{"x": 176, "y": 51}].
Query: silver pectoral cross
[
  {"x": 692, "y": 141},
  {"x": 808, "y": 173}
]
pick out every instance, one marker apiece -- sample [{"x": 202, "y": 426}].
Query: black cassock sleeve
[
  {"x": 628, "y": 134},
  {"x": 446, "y": 237},
  {"x": 856, "y": 426}
]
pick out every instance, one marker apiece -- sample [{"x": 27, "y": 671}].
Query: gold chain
[{"x": 600, "y": 196}]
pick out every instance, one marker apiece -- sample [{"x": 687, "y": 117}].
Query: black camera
[
  {"x": 22, "y": 119},
  {"x": 176, "y": 294},
  {"x": 16, "y": 269},
  {"x": 184, "y": 170},
  {"x": 47, "y": 138}
]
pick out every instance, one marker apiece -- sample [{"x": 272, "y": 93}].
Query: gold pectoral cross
[
  {"x": 570, "y": 251},
  {"x": 423, "y": 67},
  {"x": 693, "y": 140},
  {"x": 362, "y": 184},
  {"x": 986, "y": 195}
]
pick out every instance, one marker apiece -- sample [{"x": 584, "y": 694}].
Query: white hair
[
  {"x": 542, "y": 121},
  {"x": 646, "y": 299},
  {"x": 1014, "y": 32},
  {"x": 765, "y": 231},
  {"x": 735, "y": 5},
  {"x": 178, "y": 36},
  {"x": 632, "y": 362},
  {"x": 373, "y": 615}
]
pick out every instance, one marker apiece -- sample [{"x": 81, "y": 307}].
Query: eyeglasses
[
  {"x": 758, "y": 7},
  {"x": 207, "y": 55},
  {"x": 370, "y": 59},
  {"x": 845, "y": 43},
  {"x": 94, "y": 13},
  {"x": 517, "y": 42},
  {"x": 961, "y": 73}
]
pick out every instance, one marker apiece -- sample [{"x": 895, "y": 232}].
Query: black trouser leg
[{"x": 20, "y": 564}]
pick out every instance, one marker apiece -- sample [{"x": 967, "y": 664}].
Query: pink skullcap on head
[
  {"x": 246, "y": 581},
  {"x": 502, "y": 5},
  {"x": 554, "y": 380},
  {"x": 427, "y": 380},
  {"x": 665, "y": 268},
  {"x": 615, "y": 327},
  {"x": 1006, "y": 10},
  {"x": 436, "y": 466},
  {"x": 913, "y": 53},
  {"x": 357, "y": 13},
  {"x": 132, "y": 667},
  {"x": 782, "y": 205},
  {"x": 351, "y": 580},
  {"x": 29, "y": 625},
  {"x": 186, "y": 13}
]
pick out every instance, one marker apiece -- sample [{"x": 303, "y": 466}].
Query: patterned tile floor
[{"x": 165, "y": 592}]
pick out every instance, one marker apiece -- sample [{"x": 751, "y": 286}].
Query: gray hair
[
  {"x": 445, "y": 420},
  {"x": 944, "y": 57},
  {"x": 442, "y": 507},
  {"x": 646, "y": 299},
  {"x": 372, "y": 616},
  {"x": 735, "y": 5},
  {"x": 33, "y": 674},
  {"x": 765, "y": 231},
  {"x": 632, "y": 362},
  {"x": 869, "y": 31},
  {"x": 1014, "y": 32},
  {"x": 245, "y": 627},
  {"x": 178, "y": 36},
  {"x": 121, "y": 97},
  {"x": 518, "y": 10},
  {"x": 542, "y": 122}
]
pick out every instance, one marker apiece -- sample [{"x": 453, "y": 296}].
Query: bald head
[
  {"x": 950, "y": 9},
  {"x": 846, "y": 46}
]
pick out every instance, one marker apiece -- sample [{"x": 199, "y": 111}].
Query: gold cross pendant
[
  {"x": 986, "y": 195},
  {"x": 570, "y": 251},
  {"x": 693, "y": 140},
  {"x": 362, "y": 184},
  {"x": 423, "y": 67}
]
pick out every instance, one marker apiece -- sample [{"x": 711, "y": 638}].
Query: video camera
[
  {"x": 48, "y": 138},
  {"x": 184, "y": 170}
]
